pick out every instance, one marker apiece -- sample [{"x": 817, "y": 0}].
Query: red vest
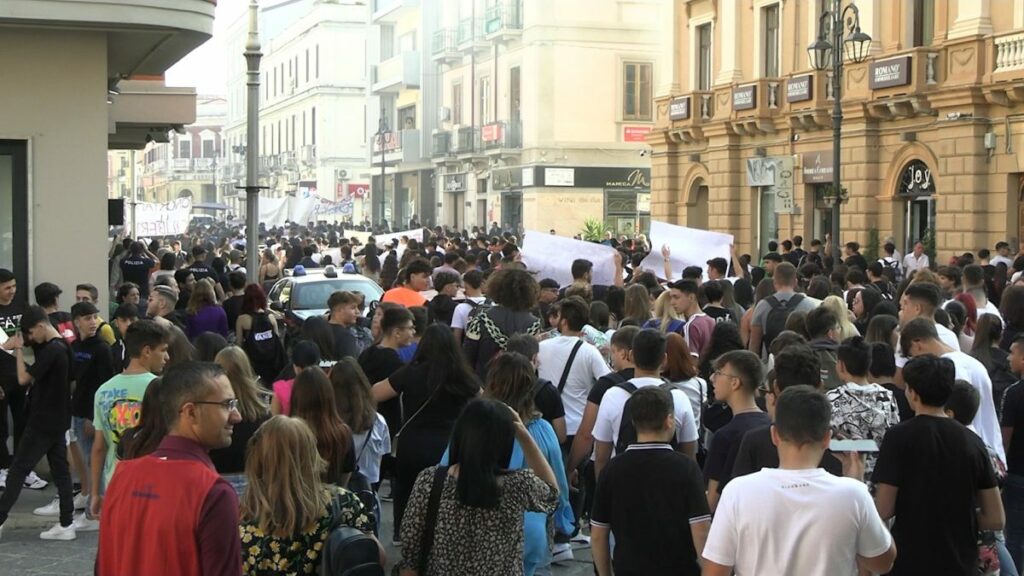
[{"x": 150, "y": 516}]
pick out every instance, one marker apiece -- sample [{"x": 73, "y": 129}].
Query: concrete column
[
  {"x": 972, "y": 19},
  {"x": 870, "y": 18},
  {"x": 729, "y": 35}
]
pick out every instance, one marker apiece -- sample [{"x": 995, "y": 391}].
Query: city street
[{"x": 24, "y": 554}]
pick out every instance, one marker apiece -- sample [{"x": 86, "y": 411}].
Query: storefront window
[
  {"x": 14, "y": 209},
  {"x": 769, "y": 220},
  {"x": 627, "y": 212}
]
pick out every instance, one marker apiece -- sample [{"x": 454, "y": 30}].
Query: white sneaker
[
  {"x": 51, "y": 509},
  {"x": 3, "y": 479},
  {"x": 81, "y": 501},
  {"x": 33, "y": 482},
  {"x": 580, "y": 538},
  {"x": 83, "y": 523},
  {"x": 59, "y": 532},
  {"x": 561, "y": 553}
]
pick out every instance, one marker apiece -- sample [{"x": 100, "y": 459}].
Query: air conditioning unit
[
  {"x": 444, "y": 114},
  {"x": 342, "y": 174}
]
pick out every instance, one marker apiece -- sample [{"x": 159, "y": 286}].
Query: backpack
[
  {"x": 627, "y": 432},
  {"x": 775, "y": 320},
  {"x": 359, "y": 485},
  {"x": 347, "y": 551},
  {"x": 264, "y": 348}
]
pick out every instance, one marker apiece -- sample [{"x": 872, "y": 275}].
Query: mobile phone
[{"x": 853, "y": 446}]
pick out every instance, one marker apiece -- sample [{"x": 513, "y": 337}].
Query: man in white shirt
[
  {"x": 648, "y": 357},
  {"x": 919, "y": 337},
  {"x": 921, "y": 300},
  {"x": 472, "y": 282},
  {"x": 798, "y": 519},
  {"x": 1002, "y": 255},
  {"x": 572, "y": 373},
  {"x": 916, "y": 260}
]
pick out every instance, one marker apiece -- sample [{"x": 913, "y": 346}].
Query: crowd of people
[{"x": 810, "y": 413}]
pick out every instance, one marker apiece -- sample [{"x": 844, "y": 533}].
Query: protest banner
[
  {"x": 552, "y": 256},
  {"x": 385, "y": 239},
  {"x": 689, "y": 247},
  {"x": 162, "y": 218}
]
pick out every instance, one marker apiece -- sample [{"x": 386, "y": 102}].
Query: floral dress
[
  {"x": 264, "y": 554},
  {"x": 474, "y": 541}
]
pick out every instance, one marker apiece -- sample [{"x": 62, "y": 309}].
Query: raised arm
[{"x": 666, "y": 255}]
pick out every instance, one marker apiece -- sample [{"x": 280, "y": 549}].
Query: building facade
[
  {"x": 312, "y": 103},
  {"x": 931, "y": 129},
  {"x": 89, "y": 78},
  {"x": 545, "y": 109}
]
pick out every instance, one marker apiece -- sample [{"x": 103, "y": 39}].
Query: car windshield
[{"x": 314, "y": 295}]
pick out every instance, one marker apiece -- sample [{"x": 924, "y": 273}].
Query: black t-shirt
[
  {"x": 344, "y": 342},
  {"x": 10, "y": 324},
  {"x": 440, "y": 409},
  {"x": 548, "y": 401},
  {"x": 1011, "y": 415},
  {"x": 607, "y": 382},
  {"x": 49, "y": 396},
  {"x": 719, "y": 314},
  {"x": 938, "y": 466},
  {"x": 378, "y": 363},
  {"x": 136, "y": 269},
  {"x": 902, "y": 404},
  {"x": 726, "y": 442},
  {"x": 231, "y": 460},
  {"x": 202, "y": 270},
  {"x": 856, "y": 260},
  {"x": 648, "y": 496},
  {"x": 92, "y": 366},
  {"x": 756, "y": 450},
  {"x": 233, "y": 309}
]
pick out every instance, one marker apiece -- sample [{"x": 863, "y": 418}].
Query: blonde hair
[
  {"x": 244, "y": 383},
  {"x": 838, "y": 307},
  {"x": 285, "y": 494},
  {"x": 664, "y": 312},
  {"x": 203, "y": 295}
]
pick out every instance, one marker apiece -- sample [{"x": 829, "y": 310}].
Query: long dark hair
[
  {"x": 317, "y": 330},
  {"x": 988, "y": 335},
  {"x": 253, "y": 299},
  {"x": 511, "y": 378},
  {"x": 482, "y": 446},
  {"x": 724, "y": 338},
  {"x": 313, "y": 401},
  {"x": 441, "y": 361},
  {"x": 144, "y": 438},
  {"x": 353, "y": 395}
]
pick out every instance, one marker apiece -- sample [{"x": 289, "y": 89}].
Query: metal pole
[
  {"x": 837, "y": 122},
  {"x": 252, "y": 188},
  {"x": 382, "y": 128},
  {"x": 135, "y": 195}
]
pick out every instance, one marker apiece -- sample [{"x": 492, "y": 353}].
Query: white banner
[
  {"x": 689, "y": 247},
  {"x": 163, "y": 218},
  {"x": 361, "y": 236},
  {"x": 551, "y": 257},
  {"x": 385, "y": 239}
]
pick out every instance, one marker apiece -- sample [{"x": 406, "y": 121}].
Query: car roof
[{"x": 318, "y": 274}]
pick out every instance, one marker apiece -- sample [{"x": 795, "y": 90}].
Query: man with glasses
[
  {"x": 736, "y": 378},
  {"x": 176, "y": 491}
]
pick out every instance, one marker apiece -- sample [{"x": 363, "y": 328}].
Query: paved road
[{"x": 22, "y": 553}]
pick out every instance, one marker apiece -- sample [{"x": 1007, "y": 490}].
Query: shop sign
[
  {"x": 639, "y": 178},
  {"x": 889, "y": 73},
  {"x": 916, "y": 180},
  {"x": 679, "y": 108},
  {"x": 798, "y": 88},
  {"x": 491, "y": 132},
  {"x": 507, "y": 178},
  {"x": 559, "y": 177},
  {"x": 454, "y": 183},
  {"x": 760, "y": 171},
  {"x": 744, "y": 97},
  {"x": 635, "y": 133},
  {"x": 817, "y": 167},
  {"x": 783, "y": 187},
  {"x": 361, "y": 190},
  {"x": 527, "y": 177}
]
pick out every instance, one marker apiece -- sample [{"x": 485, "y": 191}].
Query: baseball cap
[
  {"x": 83, "y": 309},
  {"x": 549, "y": 283}
]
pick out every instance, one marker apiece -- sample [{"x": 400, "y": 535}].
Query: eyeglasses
[
  {"x": 229, "y": 404},
  {"x": 720, "y": 373}
]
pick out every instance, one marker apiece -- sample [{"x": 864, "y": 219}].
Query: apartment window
[
  {"x": 387, "y": 42},
  {"x": 280, "y": 148},
  {"x": 293, "y": 131},
  {"x": 457, "y": 103},
  {"x": 184, "y": 148},
  {"x": 924, "y": 22},
  {"x": 407, "y": 42},
  {"x": 307, "y": 64},
  {"x": 637, "y": 100},
  {"x": 316, "y": 71},
  {"x": 407, "y": 118},
  {"x": 263, "y": 142},
  {"x": 275, "y": 82},
  {"x": 209, "y": 149},
  {"x": 485, "y": 100},
  {"x": 303, "y": 127},
  {"x": 704, "y": 57},
  {"x": 770, "y": 38},
  {"x": 312, "y": 126}
]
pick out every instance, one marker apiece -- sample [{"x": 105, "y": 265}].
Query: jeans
[
  {"x": 84, "y": 441},
  {"x": 15, "y": 397},
  {"x": 33, "y": 446},
  {"x": 1013, "y": 504},
  {"x": 1007, "y": 566}
]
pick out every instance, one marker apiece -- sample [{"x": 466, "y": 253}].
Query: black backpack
[
  {"x": 627, "y": 432},
  {"x": 264, "y": 348},
  {"x": 359, "y": 485},
  {"x": 347, "y": 551},
  {"x": 778, "y": 313}
]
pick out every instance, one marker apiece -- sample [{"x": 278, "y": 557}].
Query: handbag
[{"x": 398, "y": 435}]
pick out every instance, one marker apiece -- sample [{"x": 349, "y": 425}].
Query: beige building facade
[
  {"x": 544, "y": 113},
  {"x": 930, "y": 136}
]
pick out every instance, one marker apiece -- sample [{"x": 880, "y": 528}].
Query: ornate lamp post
[
  {"x": 837, "y": 23},
  {"x": 383, "y": 134},
  {"x": 252, "y": 187}
]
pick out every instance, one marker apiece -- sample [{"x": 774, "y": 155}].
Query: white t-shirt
[
  {"x": 609, "y": 415},
  {"x": 1000, "y": 259},
  {"x": 462, "y": 311},
  {"x": 369, "y": 452},
  {"x": 947, "y": 336},
  {"x": 587, "y": 367},
  {"x": 985, "y": 421},
  {"x": 795, "y": 522}
]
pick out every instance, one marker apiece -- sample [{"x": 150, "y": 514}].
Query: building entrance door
[
  {"x": 920, "y": 221},
  {"x": 512, "y": 211}
]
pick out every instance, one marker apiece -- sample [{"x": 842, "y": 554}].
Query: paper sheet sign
[
  {"x": 689, "y": 246},
  {"x": 551, "y": 257}
]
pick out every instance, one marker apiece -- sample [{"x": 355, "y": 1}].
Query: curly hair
[{"x": 514, "y": 289}]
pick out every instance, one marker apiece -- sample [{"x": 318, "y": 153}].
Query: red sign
[
  {"x": 491, "y": 133},
  {"x": 635, "y": 133},
  {"x": 392, "y": 142},
  {"x": 361, "y": 190}
]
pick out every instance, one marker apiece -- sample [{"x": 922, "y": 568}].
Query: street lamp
[
  {"x": 252, "y": 187},
  {"x": 383, "y": 131},
  {"x": 823, "y": 53}
]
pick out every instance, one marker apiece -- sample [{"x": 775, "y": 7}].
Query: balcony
[
  {"x": 754, "y": 105},
  {"x": 1006, "y": 57},
  {"x": 443, "y": 49},
  {"x": 441, "y": 144},
  {"x": 400, "y": 147},
  {"x": 202, "y": 164},
  {"x": 688, "y": 114},
  {"x": 400, "y": 72},
  {"x": 390, "y": 11},
  {"x": 467, "y": 143},
  {"x": 504, "y": 21},
  {"x": 502, "y": 138},
  {"x": 470, "y": 36},
  {"x": 181, "y": 165}
]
